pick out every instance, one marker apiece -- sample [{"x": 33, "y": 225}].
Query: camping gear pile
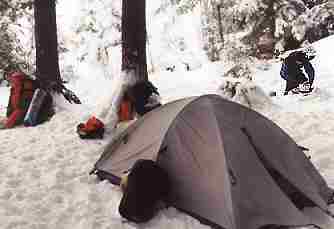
[
  {"x": 227, "y": 165},
  {"x": 92, "y": 129},
  {"x": 28, "y": 104},
  {"x": 136, "y": 101}
]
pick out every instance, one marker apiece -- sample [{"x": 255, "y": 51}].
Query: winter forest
[
  {"x": 79, "y": 50},
  {"x": 228, "y": 29}
]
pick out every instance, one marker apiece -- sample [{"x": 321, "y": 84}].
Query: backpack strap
[{"x": 28, "y": 86}]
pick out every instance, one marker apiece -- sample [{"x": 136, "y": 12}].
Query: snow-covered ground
[
  {"x": 44, "y": 170},
  {"x": 44, "y": 181}
]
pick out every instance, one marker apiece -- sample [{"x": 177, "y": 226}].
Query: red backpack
[{"x": 21, "y": 93}]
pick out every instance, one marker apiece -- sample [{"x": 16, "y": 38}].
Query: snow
[{"x": 44, "y": 180}]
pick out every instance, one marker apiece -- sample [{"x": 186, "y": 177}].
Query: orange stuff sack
[{"x": 125, "y": 111}]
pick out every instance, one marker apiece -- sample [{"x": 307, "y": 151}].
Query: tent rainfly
[{"x": 229, "y": 166}]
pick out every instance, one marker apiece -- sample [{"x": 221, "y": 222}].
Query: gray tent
[{"x": 229, "y": 165}]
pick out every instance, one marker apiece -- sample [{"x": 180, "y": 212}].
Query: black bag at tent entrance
[{"x": 147, "y": 184}]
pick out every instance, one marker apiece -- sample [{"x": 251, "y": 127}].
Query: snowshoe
[
  {"x": 295, "y": 91},
  {"x": 305, "y": 88}
]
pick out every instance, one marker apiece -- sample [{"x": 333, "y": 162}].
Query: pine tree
[
  {"x": 12, "y": 55},
  {"x": 264, "y": 23},
  {"x": 316, "y": 23},
  {"x": 212, "y": 28},
  {"x": 263, "y": 26}
]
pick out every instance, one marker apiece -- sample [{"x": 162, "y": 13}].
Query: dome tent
[{"x": 225, "y": 163}]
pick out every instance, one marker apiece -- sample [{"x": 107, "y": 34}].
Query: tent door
[{"x": 296, "y": 197}]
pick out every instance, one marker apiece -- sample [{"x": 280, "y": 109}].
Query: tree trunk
[
  {"x": 220, "y": 25},
  {"x": 47, "y": 63},
  {"x": 134, "y": 39}
]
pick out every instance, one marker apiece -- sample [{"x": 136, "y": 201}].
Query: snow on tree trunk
[{"x": 134, "y": 66}]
